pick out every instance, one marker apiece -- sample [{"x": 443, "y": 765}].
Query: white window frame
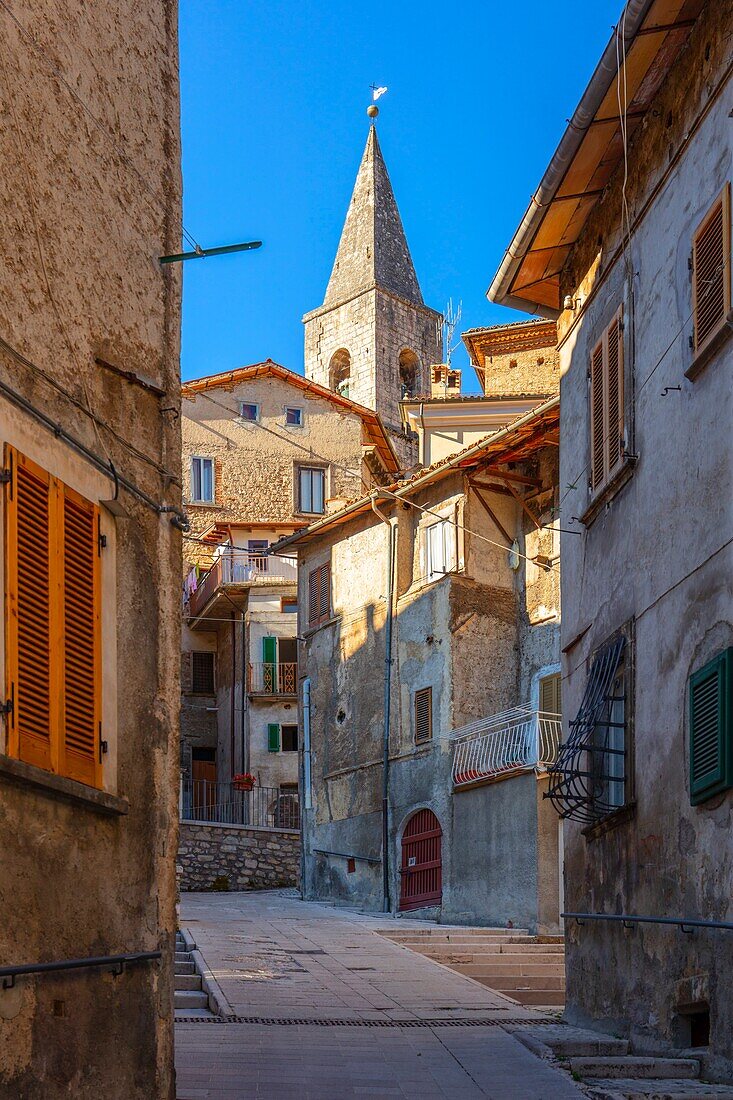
[
  {"x": 249, "y": 419},
  {"x": 441, "y": 549},
  {"x": 202, "y": 499},
  {"x": 293, "y": 408},
  {"x": 301, "y": 500}
]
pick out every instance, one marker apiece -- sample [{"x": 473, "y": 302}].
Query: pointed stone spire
[{"x": 373, "y": 249}]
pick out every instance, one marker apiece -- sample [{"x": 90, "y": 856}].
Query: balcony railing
[
  {"x": 223, "y": 804},
  {"x": 513, "y": 741},
  {"x": 239, "y": 567},
  {"x": 273, "y": 679}
]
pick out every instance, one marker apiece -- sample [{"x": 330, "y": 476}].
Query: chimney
[{"x": 445, "y": 381}]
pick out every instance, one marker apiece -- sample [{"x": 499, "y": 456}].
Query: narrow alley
[{"x": 315, "y": 1002}]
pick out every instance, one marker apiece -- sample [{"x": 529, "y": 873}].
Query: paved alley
[{"x": 321, "y": 1005}]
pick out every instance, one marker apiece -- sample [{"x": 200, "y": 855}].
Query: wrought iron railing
[
  {"x": 241, "y": 567},
  {"x": 273, "y": 679},
  {"x": 630, "y": 920},
  {"x": 226, "y": 804},
  {"x": 118, "y": 963},
  {"x": 515, "y": 740}
]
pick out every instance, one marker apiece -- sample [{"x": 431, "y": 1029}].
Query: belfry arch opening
[
  {"x": 339, "y": 372},
  {"x": 409, "y": 373}
]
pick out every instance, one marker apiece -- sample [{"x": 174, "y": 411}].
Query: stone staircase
[
  {"x": 609, "y": 1071},
  {"x": 529, "y": 969},
  {"x": 189, "y": 998}
]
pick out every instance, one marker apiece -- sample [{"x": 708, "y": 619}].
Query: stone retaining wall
[{"x": 236, "y": 857}]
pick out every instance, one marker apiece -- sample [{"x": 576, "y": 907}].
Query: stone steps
[
  {"x": 189, "y": 998},
  {"x": 679, "y": 1089},
  {"x": 630, "y": 1066}
]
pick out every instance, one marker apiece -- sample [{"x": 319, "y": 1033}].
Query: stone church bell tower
[{"x": 373, "y": 339}]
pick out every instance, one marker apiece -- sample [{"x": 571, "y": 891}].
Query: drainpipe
[
  {"x": 391, "y": 541},
  {"x": 234, "y": 686},
  {"x": 245, "y": 710}
]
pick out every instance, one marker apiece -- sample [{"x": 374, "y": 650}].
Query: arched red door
[{"x": 422, "y": 867}]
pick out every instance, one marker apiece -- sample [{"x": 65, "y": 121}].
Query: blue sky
[{"x": 274, "y": 95}]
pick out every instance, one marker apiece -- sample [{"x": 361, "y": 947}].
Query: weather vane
[{"x": 372, "y": 109}]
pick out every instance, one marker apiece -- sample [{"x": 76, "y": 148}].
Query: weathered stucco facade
[
  {"x": 89, "y": 323},
  {"x": 478, "y": 635},
  {"x": 652, "y": 563}
]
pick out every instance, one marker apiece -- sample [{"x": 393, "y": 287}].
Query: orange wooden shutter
[
  {"x": 596, "y": 416},
  {"x": 81, "y": 625},
  {"x": 31, "y": 606},
  {"x": 711, "y": 298},
  {"x": 615, "y": 389}
]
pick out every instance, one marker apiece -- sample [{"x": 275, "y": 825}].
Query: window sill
[
  {"x": 27, "y": 775},
  {"x": 321, "y": 626},
  {"x": 714, "y": 344},
  {"x": 608, "y": 492},
  {"x": 610, "y": 821},
  {"x": 210, "y": 504}
]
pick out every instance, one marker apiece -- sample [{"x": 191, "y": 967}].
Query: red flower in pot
[{"x": 244, "y": 781}]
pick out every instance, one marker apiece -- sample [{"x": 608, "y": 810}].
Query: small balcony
[
  {"x": 240, "y": 568},
  {"x": 273, "y": 679},
  {"x": 514, "y": 741}
]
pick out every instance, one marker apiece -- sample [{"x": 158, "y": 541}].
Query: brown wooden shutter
[
  {"x": 325, "y": 593},
  {"x": 313, "y": 596},
  {"x": 81, "y": 646},
  {"x": 711, "y": 298},
  {"x": 423, "y": 715},
  {"x": 596, "y": 416},
  {"x": 615, "y": 389},
  {"x": 30, "y": 588},
  {"x": 550, "y": 694}
]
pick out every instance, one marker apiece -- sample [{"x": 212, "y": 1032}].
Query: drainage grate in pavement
[{"x": 330, "y": 1022}]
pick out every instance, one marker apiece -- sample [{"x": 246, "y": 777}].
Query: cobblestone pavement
[{"x": 288, "y": 962}]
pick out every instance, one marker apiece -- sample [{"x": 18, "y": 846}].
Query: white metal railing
[
  {"x": 241, "y": 567},
  {"x": 514, "y": 740},
  {"x": 225, "y": 804}
]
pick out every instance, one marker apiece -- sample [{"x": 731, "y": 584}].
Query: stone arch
[
  {"x": 409, "y": 365},
  {"x": 339, "y": 372}
]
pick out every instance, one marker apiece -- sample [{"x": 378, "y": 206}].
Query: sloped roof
[
  {"x": 373, "y": 248},
  {"x": 517, "y": 441},
  {"x": 373, "y": 427},
  {"x": 651, "y": 36}
]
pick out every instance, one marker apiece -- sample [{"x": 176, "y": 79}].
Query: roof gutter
[{"x": 600, "y": 82}]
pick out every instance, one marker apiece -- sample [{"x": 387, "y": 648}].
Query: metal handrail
[
  {"x": 345, "y": 855},
  {"x": 118, "y": 961},
  {"x": 628, "y": 920}
]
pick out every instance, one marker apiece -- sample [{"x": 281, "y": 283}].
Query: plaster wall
[
  {"x": 658, "y": 553},
  {"x": 87, "y": 875}
]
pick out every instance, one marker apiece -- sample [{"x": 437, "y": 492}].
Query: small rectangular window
[
  {"x": 202, "y": 673},
  {"x": 311, "y": 489},
  {"x": 423, "y": 715},
  {"x": 293, "y": 417},
  {"x": 249, "y": 411},
  {"x": 288, "y": 605},
  {"x": 319, "y": 595},
  {"x": 711, "y": 728},
  {"x": 289, "y": 736},
  {"x": 607, "y": 424},
  {"x": 202, "y": 479},
  {"x": 711, "y": 281},
  {"x": 440, "y": 543}
]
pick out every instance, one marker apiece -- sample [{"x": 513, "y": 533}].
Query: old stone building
[
  {"x": 374, "y": 339},
  {"x": 429, "y": 617},
  {"x": 90, "y": 199},
  {"x": 264, "y": 451},
  {"x": 628, "y": 244}
]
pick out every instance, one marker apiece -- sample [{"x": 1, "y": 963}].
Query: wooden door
[
  {"x": 422, "y": 867},
  {"x": 203, "y": 775}
]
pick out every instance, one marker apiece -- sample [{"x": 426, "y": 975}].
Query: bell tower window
[
  {"x": 409, "y": 373},
  {"x": 339, "y": 372}
]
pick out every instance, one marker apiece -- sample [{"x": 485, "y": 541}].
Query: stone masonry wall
[{"x": 234, "y": 857}]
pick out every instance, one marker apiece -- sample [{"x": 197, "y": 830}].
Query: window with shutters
[
  {"x": 423, "y": 715},
  {"x": 202, "y": 673},
  {"x": 53, "y": 623},
  {"x": 550, "y": 701},
  {"x": 319, "y": 595},
  {"x": 273, "y": 737},
  {"x": 607, "y": 422},
  {"x": 311, "y": 490},
  {"x": 711, "y": 728},
  {"x": 202, "y": 480},
  {"x": 711, "y": 281},
  {"x": 440, "y": 549}
]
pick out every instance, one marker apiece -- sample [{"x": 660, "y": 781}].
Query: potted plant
[{"x": 244, "y": 781}]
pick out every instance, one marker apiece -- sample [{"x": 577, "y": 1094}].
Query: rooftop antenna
[{"x": 447, "y": 327}]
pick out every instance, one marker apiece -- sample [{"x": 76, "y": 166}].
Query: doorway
[{"x": 421, "y": 869}]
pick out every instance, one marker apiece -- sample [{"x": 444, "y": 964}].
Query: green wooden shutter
[
  {"x": 711, "y": 732},
  {"x": 269, "y": 658},
  {"x": 273, "y": 737}
]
